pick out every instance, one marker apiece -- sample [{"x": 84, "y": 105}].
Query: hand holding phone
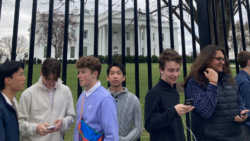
[
  {"x": 183, "y": 109},
  {"x": 244, "y": 114},
  {"x": 42, "y": 130},
  {"x": 189, "y": 102},
  {"x": 50, "y": 127}
]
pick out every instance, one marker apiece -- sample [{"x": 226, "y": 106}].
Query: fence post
[
  {"x": 32, "y": 43},
  {"x": 203, "y": 22},
  {"x": 0, "y": 8},
  {"x": 15, "y": 30}
]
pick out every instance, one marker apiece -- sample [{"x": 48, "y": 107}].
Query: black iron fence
[{"x": 203, "y": 22}]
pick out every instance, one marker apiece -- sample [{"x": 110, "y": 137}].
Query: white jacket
[{"x": 35, "y": 108}]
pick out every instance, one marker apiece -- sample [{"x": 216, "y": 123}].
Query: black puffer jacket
[{"x": 221, "y": 125}]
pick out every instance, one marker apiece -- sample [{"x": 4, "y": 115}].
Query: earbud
[{"x": 161, "y": 72}]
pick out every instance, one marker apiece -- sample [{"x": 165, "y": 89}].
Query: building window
[
  {"x": 127, "y": 36},
  {"x": 84, "y": 51},
  {"x": 153, "y": 36},
  {"x": 73, "y": 33},
  {"x": 45, "y": 52},
  {"x": 72, "y": 52},
  {"x": 142, "y": 51},
  {"x": 115, "y": 35},
  {"x": 142, "y": 36},
  {"x": 162, "y": 37},
  {"x": 154, "y": 51},
  {"x": 85, "y": 34},
  {"x": 115, "y": 52},
  {"x": 128, "y": 51},
  {"x": 115, "y": 47},
  {"x": 86, "y": 11}
]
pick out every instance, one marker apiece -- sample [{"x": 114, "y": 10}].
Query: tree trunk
[
  {"x": 219, "y": 20},
  {"x": 56, "y": 52}
]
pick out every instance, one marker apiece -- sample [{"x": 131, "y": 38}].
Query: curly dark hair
[
  {"x": 91, "y": 63},
  {"x": 169, "y": 55}
]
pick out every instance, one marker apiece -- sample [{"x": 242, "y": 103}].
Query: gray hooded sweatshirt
[{"x": 128, "y": 114}]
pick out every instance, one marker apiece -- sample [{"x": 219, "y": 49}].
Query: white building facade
[
  {"x": 231, "y": 52},
  {"x": 88, "y": 47},
  {"x": 2, "y": 58}
]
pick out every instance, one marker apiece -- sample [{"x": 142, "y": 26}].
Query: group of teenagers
[{"x": 46, "y": 110}]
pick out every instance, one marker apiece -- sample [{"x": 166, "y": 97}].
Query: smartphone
[
  {"x": 189, "y": 102},
  {"x": 50, "y": 127},
  {"x": 243, "y": 114}
]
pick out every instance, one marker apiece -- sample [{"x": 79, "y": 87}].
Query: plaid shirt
[{"x": 205, "y": 101}]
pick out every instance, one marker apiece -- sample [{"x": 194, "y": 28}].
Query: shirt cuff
[
  {"x": 212, "y": 87},
  {"x": 33, "y": 127},
  {"x": 64, "y": 122},
  {"x": 173, "y": 110}
]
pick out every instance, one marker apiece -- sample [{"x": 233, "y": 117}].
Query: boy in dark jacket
[
  {"x": 12, "y": 80},
  {"x": 162, "y": 109}
]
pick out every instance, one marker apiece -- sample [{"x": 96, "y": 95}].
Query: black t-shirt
[{"x": 161, "y": 119}]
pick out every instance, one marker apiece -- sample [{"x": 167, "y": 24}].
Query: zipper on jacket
[{"x": 224, "y": 92}]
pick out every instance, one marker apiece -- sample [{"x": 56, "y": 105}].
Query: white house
[
  {"x": 231, "y": 51},
  {"x": 2, "y": 58},
  {"x": 88, "y": 48}
]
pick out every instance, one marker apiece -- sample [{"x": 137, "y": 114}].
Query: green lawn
[{"x": 130, "y": 83}]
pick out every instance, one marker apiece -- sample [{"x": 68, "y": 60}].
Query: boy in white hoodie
[{"x": 46, "y": 103}]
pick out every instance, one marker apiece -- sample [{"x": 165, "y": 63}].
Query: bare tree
[
  {"x": 7, "y": 4},
  {"x": 58, "y": 4},
  {"x": 57, "y": 31},
  {"x": 239, "y": 37},
  {"x": 6, "y": 45},
  {"x": 187, "y": 12},
  {"x": 187, "y": 8}
]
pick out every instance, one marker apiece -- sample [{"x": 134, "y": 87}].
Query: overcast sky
[{"x": 7, "y": 19}]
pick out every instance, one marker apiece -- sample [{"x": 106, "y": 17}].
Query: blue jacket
[
  {"x": 9, "y": 128},
  {"x": 243, "y": 82}
]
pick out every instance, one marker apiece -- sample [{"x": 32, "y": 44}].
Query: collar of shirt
[
  {"x": 90, "y": 91},
  {"x": 7, "y": 99},
  {"x": 165, "y": 84},
  {"x": 116, "y": 94},
  {"x": 246, "y": 74},
  {"x": 46, "y": 89}
]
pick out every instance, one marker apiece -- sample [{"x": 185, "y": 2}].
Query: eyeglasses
[{"x": 220, "y": 59}]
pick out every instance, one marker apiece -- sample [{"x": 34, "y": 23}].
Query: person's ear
[
  {"x": 124, "y": 78},
  {"x": 160, "y": 70},
  {"x": 95, "y": 74},
  {"x": 7, "y": 80}
]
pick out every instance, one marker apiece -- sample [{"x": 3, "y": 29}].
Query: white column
[
  {"x": 152, "y": 42},
  {"x": 145, "y": 42},
  {"x": 99, "y": 41},
  {"x": 103, "y": 40},
  {"x": 139, "y": 40}
]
